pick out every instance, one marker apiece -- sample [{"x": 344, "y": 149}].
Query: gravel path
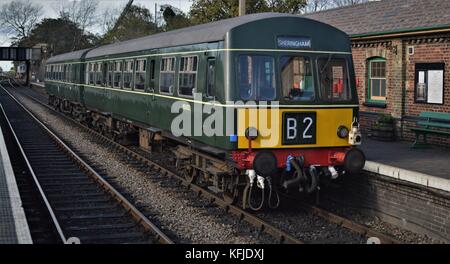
[{"x": 179, "y": 213}]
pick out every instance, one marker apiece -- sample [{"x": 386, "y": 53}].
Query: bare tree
[
  {"x": 109, "y": 19},
  {"x": 340, "y": 3},
  {"x": 81, "y": 12},
  {"x": 317, "y": 5},
  {"x": 19, "y": 17}
]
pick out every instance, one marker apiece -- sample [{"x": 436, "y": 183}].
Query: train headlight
[
  {"x": 251, "y": 133},
  {"x": 343, "y": 132}
]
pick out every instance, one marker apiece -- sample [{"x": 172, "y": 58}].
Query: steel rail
[
  {"x": 36, "y": 181},
  {"x": 137, "y": 215}
]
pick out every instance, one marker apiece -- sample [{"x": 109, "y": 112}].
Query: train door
[{"x": 151, "y": 89}]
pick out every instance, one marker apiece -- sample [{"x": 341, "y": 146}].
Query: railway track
[
  {"x": 66, "y": 200},
  {"x": 144, "y": 162}
]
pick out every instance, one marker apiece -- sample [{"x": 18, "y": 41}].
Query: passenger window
[
  {"x": 256, "y": 76},
  {"x": 118, "y": 74},
  {"x": 109, "y": 79},
  {"x": 211, "y": 78},
  {"x": 152, "y": 69},
  {"x": 99, "y": 74},
  {"x": 297, "y": 79},
  {"x": 128, "y": 74},
  {"x": 139, "y": 80},
  {"x": 167, "y": 75},
  {"x": 188, "y": 76}
]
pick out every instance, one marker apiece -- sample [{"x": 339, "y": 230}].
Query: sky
[{"x": 51, "y": 9}]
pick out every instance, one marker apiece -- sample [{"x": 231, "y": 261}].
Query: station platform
[
  {"x": 428, "y": 167},
  {"x": 13, "y": 224}
]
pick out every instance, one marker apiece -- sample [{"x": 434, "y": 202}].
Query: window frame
[
  {"x": 312, "y": 69},
  {"x": 173, "y": 72},
  {"x": 370, "y": 97},
  {"x": 320, "y": 95},
  {"x": 210, "y": 60},
  {"x": 187, "y": 72},
  {"x": 141, "y": 71},
  {"x": 121, "y": 62},
  {"x": 275, "y": 60},
  {"x": 125, "y": 70}
]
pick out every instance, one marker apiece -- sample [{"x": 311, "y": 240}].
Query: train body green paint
[{"x": 252, "y": 35}]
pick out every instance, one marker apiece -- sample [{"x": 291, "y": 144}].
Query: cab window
[
  {"x": 333, "y": 79},
  {"x": 297, "y": 78},
  {"x": 256, "y": 76}
]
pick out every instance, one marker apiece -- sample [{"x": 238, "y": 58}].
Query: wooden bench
[{"x": 435, "y": 124}]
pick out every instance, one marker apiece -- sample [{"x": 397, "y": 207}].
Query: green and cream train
[{"x": 280, "y": 73}]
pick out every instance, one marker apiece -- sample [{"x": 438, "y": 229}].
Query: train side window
[
  {"x": 99, "y": 74},
  {"x": 152, "y": 70},
  {"x": 139, "y": 76},
  {"x": 128, "y": 74},
  {"x": 211, "y": 78},
  {"x": 167, "y": 75},
  {"x": 188, "y": 76},
  {"x": 117, "y": 74},
  {"x": 92, "y": 68},
  {"x": 109, "y": 78}
]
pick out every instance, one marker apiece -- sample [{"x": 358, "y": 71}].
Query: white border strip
[
  {"x": 408, "y": 176},
  {"x": 20, "y": 221}
]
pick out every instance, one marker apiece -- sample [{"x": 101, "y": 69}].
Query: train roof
[
  {"x": 75, "y": 55},
  {"x": 209, "y": 32},
  {"x": 204, "y": 33}
]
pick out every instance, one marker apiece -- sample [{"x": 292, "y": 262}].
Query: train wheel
[{"x": 190, "y": 174}]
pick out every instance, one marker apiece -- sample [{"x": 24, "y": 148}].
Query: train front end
[{"x": 299, "y": 122}]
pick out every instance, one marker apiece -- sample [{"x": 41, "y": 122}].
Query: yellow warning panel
[{"x": 293, "y": 128}]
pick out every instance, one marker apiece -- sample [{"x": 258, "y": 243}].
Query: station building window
[
  {"x": 117, "y": 74},
  {"x": 128, "y": 74},
  {"x": 139, "y": 77},
  {"x": 376, "y": 80},
  {"x": 167, "y": 75},
  {"x": 188, "y": 75}
]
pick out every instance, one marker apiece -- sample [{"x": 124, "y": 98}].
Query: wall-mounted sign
[
  {"x": 294, "y": 42},
  {"x": 429, "y": 81}
]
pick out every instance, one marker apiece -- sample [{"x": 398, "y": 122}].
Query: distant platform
[
  {"x": 13, "y": 224},
  {"x": 428, "y": 167}
]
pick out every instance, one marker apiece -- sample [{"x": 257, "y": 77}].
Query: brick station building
[{"x": 401, "y": 52}]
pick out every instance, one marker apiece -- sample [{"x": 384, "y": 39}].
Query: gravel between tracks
[{"x": 173, "y": 211}]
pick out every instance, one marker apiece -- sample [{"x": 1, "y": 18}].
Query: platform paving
[
  {"x": 13, "y": 224},
  {"x": 429, "y": 167}
]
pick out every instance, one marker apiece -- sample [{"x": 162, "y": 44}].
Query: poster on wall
[{"x": 429, "y": 86}]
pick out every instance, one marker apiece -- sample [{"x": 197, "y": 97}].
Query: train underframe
[{"x": 256, "y": 179}]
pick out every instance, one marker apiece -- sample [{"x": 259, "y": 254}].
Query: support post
[{"x": 241, "y": 7}]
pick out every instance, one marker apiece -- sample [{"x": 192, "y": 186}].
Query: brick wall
[
  {"x": 392, "y": 201},
  {"x": 400, "y": 74}
]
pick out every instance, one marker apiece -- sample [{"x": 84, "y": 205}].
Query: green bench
[{"x": 436, "y": 124}]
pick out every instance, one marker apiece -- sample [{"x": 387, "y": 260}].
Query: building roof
[
  {"x": 204, "y": 33},
  {"x": 387, "y": 16}
]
